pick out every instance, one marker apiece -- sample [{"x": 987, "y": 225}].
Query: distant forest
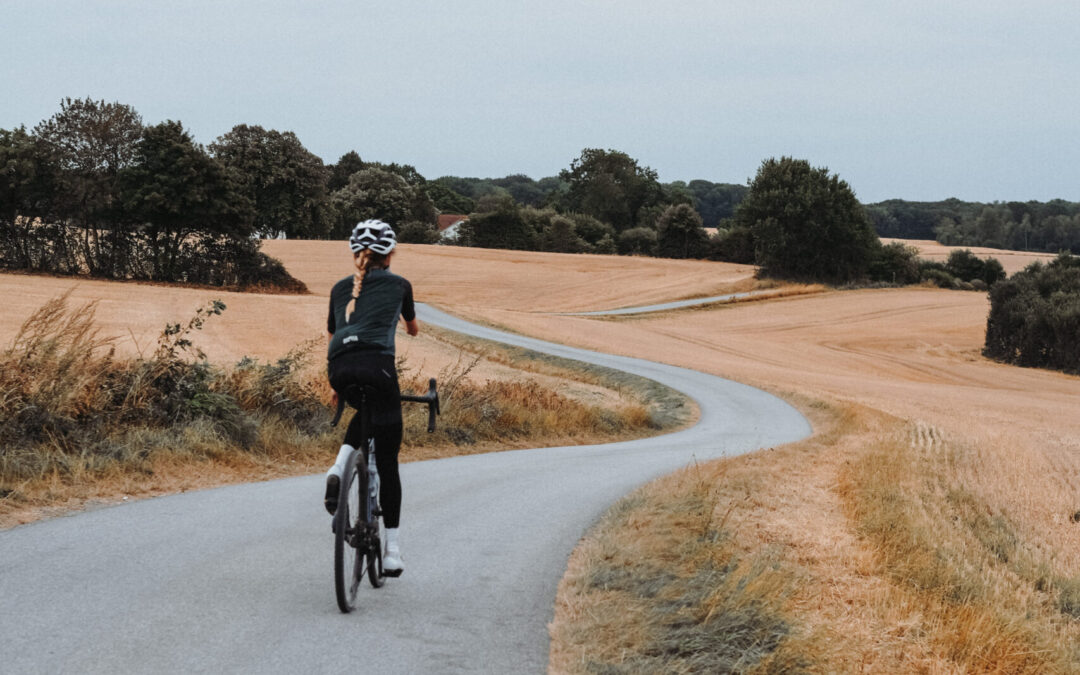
[{"x": 1051, "y": 227}]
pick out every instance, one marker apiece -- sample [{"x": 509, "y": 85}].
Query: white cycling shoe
[
  {"x": 333, "y": 479},
  {"x": 391, "y": 562}
]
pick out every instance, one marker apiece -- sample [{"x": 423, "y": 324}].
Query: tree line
[
  {"x": 1049, "y": 227},
  {"x": 94, "y": 191}
]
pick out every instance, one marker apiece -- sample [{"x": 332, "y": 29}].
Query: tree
[
  {"x": 895, "y": 263},
  {"x": 715, "y": 201},
  {"x": 175, "y": 191},
  {"x": 967, "y": 266},
  {"x": 806, "y": 223},
  {"x": 346, "y": 166},
  {"x": 523, "y": 189},
  {"x": 637, "y": 241},
  {"x": 28, "y": 185},
  {"x": 92, "y": 141},
  {"x": 378, "y": 193},
  {"x": 609, "y": 185},
  {"x": 680, "y": 234},
  {"x": 285, "y": 183},
  {"x": 499, "y": 223},
  {"x": 447, "y": 200},
  {"x": 592, "y": 230}
]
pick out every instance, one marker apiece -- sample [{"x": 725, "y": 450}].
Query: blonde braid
[{"x": 361, "y": 262}]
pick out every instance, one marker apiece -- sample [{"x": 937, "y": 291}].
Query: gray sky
[{"x": 977, "y": 99}]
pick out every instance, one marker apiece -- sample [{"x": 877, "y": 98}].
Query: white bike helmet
[{"x": 373, "y": 234}]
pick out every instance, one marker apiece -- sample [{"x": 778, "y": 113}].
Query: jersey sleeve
[
  {"x": 330, "y": 325},
  {"x": 408, "y": 308}
]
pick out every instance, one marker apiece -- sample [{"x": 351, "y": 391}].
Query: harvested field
[
  {"x": 526, "y": 281},
  {"x": 1012, "y": 261}
]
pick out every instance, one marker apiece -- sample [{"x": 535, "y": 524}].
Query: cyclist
[{"x": 364, "y": 312}]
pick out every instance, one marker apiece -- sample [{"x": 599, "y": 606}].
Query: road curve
[
  {"x": 238, "y": 579},
  {"x": 664, "y": 306}
]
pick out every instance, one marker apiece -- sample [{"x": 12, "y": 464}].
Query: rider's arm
[{"x": 408, "y": 310}]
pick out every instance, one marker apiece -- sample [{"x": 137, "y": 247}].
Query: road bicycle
[{"x": 357, "y": 523}]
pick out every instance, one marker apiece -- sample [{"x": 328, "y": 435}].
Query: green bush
[
  {"x": 734, "y": 245},
  {"x": 939, "y": 277},
  {"x": 417, "y": 232},
  {"x": 1035, "y": 316},
  {"x": 637, "y": 241},
  {"x": 967, "y": 266},
  {"x": 895, "y": 263}
]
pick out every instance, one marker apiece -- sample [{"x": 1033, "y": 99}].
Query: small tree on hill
[
  {"x": 806, "y": 223},
  {"x": 680, "y": 234}
]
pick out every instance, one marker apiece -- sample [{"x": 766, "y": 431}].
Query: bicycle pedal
[{"x": 392, "y": 573}]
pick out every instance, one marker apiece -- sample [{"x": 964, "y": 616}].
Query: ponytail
[{"x": 364, "y": 264}]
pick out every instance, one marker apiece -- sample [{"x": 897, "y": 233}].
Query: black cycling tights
[{"x": 387, "y": 444}]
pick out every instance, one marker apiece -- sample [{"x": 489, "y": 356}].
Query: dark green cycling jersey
[{"x": 384, "y": 298}]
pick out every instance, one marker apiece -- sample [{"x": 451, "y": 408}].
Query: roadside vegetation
[
  {"x": 78, "y": 422},
  {"x": 896, "y": 553}
]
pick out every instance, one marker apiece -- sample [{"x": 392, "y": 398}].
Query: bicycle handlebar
[{"x": 431, "y": 398}]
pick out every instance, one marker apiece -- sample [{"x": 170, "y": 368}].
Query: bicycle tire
[
  {"x": 347, "y": 532},
  {"x": 374, "y": 553}
]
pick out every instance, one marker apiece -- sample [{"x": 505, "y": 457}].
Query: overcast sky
[{"x": 976, "y": 99}]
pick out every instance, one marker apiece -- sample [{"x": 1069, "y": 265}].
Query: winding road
[{"x": 239, "y": 579}]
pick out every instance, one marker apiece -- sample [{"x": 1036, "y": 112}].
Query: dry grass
[
  {"x": 882, "y": 554},
  {"x": 659, "y": 587},
  {"x": 78, "y": 423}
]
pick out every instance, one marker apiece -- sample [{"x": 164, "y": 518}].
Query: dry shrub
[
  {"x": 71, "y": 408},
  {"x": 71, "y": 414}
]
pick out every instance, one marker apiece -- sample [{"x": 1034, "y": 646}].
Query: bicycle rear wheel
[
  {"x": 348, "y": 531},
  {"x": 374, "y": 553}
]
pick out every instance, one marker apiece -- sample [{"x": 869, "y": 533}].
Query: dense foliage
[
  {"x": 806, "y": 223},
  {"x": 1023, "y": 226},
  {"x": 1035, "y": 316},
  {"x": 93, "y": 191}
]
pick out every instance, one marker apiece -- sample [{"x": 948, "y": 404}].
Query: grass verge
[{"x": 865, "y": 548}]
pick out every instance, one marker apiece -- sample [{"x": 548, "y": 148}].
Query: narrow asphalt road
[{"x": 239, "y": 579}]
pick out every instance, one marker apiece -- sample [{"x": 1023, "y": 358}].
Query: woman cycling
[{"x": 364, "y": 312}]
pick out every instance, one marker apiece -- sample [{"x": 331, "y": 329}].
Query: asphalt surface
[
  {"x": 239, "y": 579},
  {"x": 675, "y": 304}
]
